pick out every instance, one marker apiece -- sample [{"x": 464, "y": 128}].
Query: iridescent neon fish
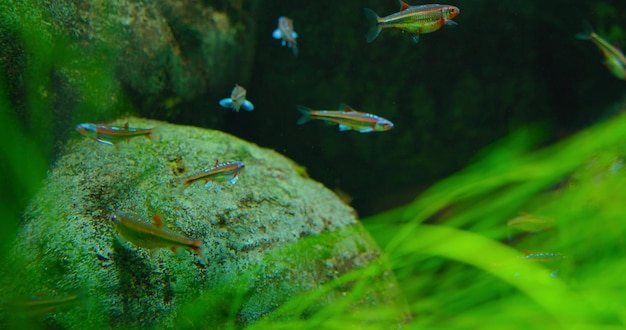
[
  {"x": 614, "y": 58},
  {"x": 150, "y": 235},
  {"x": 347, "y": 118},
  {"x": 286, "y": 34},
  {"x": 110, "y": 135},
  {"x": 413, "y": 19},
  {"x": 237, "y": 100},
  {"x": 220, "y": 172}
]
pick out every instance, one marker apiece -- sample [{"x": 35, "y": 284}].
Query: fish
[
  {"x": 220, "y": 172},
  {"x": 150, "y": 235},
  {"x": 414, "y": 19},
  {"x": 347, "y": 118},
  {"x": 110, "y": 135},
  {"x": 614, "y": 58},
  {"x": 237, "y": 100},
  {"x": 531, "y": 223},
  {"x": 551, "y": 260},
  {"x": 39, "y": 305},
  {"x": 286, "y": 34},
  {"x": 542, "y": 257}
]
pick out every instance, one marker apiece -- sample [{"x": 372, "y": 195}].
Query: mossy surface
[{"x": 66, "y": 241}]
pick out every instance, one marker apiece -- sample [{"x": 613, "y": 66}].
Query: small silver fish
[{"x": 237, "y": 100}]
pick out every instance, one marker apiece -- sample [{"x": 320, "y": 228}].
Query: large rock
[
  {"x": 271, "y": 236},
  {"x": 162, "y": 55}
]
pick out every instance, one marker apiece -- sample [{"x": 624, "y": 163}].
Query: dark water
[{"x": 506, "y": 65}]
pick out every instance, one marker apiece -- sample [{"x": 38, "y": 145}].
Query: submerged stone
[{"x": 272, "y": 236}]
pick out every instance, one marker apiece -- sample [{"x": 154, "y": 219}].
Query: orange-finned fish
[
  {"x": 414, "y": 19},
  {"x": 237, "y": 100},
  {"x": 614, "y": 58},
  {"x": 110, "y": 135},
  {"x": 226, "y": 171},
  {"x": 150, "y": 235},
  {"x": 347, "y": 118},
  {"x": 288, "y": 37}
]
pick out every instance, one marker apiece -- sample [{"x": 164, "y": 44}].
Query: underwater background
[
  {"x": 503, "y": 67},
  {"x": 503, "y": 115}
]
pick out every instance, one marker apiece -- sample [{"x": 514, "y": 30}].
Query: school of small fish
[{"x": 417, "y": 20}]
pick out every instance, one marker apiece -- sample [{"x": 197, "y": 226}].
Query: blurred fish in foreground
[
  {"x": 531, "y": 223},
  {"x": 551, "y": 261},
  {"x": 149, "y": 235},
  {"x": 39, "y": 305},
  {"x": 614, "y": 58}
]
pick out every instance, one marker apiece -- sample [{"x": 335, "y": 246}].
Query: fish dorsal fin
[
  {"x": 157, "y": 220},
  {"x": 404, "y": 5},
  {"x": 125, "y": 125},
  {"x": 217, "y": 162},
  {"x": 346, "y": 108}
]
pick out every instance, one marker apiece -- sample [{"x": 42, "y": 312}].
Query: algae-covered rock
[
  {"x": 269, "y": 237},
  {"x": 94, "y": 56}
]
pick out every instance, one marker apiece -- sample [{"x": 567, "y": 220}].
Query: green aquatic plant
[{"x": 461, "y": 266}]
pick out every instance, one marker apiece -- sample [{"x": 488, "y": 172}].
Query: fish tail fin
[
  {"x": 277, "y": 34},
  {"x": 306, "y": 114},
  {"x": 294, "y": 49},
  {"x": 226, "y": 103},
  {"x": 375, "y": 28},
  {"x": 247, "y": 105},
  {"x": 196, "y": 246},
  {"x": 586, "y": 34},
  {"x": 151, "y": 135}
]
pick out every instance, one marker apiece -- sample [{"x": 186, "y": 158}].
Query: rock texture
[{"x": 270, "y": 237}]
